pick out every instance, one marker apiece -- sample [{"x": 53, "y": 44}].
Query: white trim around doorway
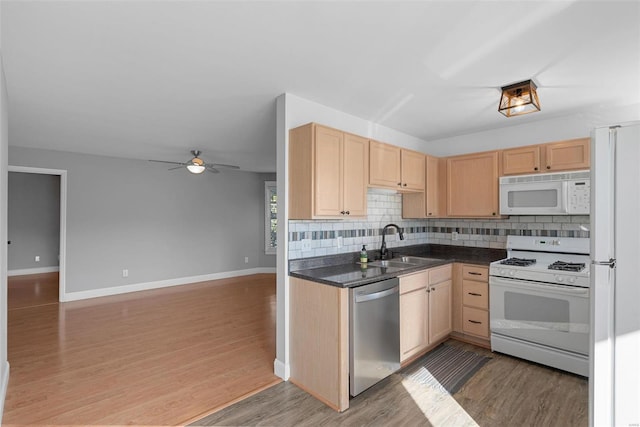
[{"x": 62, "y": 292}]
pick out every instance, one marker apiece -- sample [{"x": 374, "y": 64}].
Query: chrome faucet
[{"x": 384, "y": 253}]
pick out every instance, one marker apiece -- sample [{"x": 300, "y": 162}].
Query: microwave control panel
[{"x": 579, "y": 194}]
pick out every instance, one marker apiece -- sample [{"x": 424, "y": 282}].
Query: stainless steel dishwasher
[{"x": 374, "y": 333}]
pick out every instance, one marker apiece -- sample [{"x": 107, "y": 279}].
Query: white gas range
[{"x": 539, "y": 301}]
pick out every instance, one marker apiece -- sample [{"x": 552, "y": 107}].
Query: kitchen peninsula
[{"x": 320, "y": 310}]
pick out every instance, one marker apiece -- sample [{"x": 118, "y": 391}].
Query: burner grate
[
  {"x": 520, "y": 262},
  {"x": 567, "y": 266}
]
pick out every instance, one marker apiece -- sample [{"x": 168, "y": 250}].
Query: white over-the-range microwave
[{"x": 562, "y": 193}]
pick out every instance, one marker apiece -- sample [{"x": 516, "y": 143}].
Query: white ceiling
[{"x": 154, "y": 79}]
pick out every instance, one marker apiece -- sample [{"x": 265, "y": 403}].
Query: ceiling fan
[{"x": 196, "y": 165}]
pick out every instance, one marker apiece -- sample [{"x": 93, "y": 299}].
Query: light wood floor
[
  {"x": 162, "y": 357},
  {"x": 32, "y": 290},
  {"x": 505, "y": 392}
]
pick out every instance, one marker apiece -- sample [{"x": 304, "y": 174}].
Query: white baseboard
[
  {"x": 3, "y": 387},
  {"x": 136, "y": 287},
  {"x": 281, "y": 370},
  {"x": 25, "y": 271}
]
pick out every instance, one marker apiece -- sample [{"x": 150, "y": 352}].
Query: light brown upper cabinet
[
  {"x": 567, "y": 155},
  {"x": 395, "y": 168},
  {"x": 472, "y": 185},
  {"x": 522, "y": 160},
  {"x": 430, "y": 203},
  {"x": 412, "y": 168},
  {"x": 553, "y": 157},
  {"x": 327, "y": 173}
]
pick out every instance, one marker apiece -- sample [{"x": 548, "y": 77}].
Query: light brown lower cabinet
[
  {"x": 319, "y": 341},
  {"x": 425, "y": 310},
  {"x": 471, "y": 304}
]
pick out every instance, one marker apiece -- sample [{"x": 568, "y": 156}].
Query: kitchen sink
[
  {"x": 403, "y": 262},
  {"x": 415, "y": 260},
  {"x": 391, "y": 263}
]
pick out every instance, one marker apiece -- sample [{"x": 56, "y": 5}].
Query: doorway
[{"x": 46, "y": 278}]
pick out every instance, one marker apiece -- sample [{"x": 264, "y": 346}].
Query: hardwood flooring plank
[
  {"x": 151, "y": 358},
  {"x": 506, "y": 391},
  {"x": 32, "y": 290}
]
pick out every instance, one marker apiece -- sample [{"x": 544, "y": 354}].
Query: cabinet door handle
[
  {"x": 474, "y": 294},
  {"x": 348, "y": 213},
  {"x": 473, "y": 273},
  {"x": 475, "y": 321}
]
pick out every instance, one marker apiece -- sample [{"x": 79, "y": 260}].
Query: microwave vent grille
[{"x": 544, "y": 177}]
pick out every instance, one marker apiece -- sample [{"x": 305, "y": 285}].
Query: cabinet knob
[
  {"x": 429, "y": 213},
  {"x": 535, "y": 169},
  {"x": 399, "y": 183},
  {"x": 494, "y": 214},
  {"x": 404, "y": 185},
  {"x": 548, "y": 167},
  {"x": 433, "y": 289},
  {"x": 342, "y": 212},
  {"x": 348, "y": 213}
]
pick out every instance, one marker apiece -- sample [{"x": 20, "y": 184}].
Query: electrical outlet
[
  {"x": 306, "y": 244},
  {"x": 246, "y": 260},
  {"x": 37, "y": 258},
  {"x": 125, "y": 273},
  {"x": 454, "y": 235}
]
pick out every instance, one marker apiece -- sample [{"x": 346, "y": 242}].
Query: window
[{"x": 270, "y": 217}]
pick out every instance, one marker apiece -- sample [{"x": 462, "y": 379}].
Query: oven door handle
[{"x": 540, "y": 287}]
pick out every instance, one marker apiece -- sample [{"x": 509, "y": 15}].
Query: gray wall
[
  {"x": 34, "y": 220},
  {"x": 4, "y": 142},
  {"x": 158, "y": 224}
]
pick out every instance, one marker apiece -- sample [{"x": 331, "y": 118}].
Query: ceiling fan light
[
  {"x": 195, "y": 168},
  {"x": 196, "y": 165},
  {"x": 519, "y": 98}
]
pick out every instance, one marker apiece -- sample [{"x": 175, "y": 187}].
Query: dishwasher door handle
[{"x": 362, "y": 297}]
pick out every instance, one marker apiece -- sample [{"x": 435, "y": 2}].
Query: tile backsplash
[{"x": 318, "y": 238}]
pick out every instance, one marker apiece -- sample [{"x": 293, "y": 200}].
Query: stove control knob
[
  {"x": 502, "y": 272},
  {"x": 512, "y": 273},
  {"x": 559, "y": 278},
  {"x": 571, "y": 280}
]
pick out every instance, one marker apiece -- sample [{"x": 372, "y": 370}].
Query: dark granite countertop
[{"x": 344, "y": 271}]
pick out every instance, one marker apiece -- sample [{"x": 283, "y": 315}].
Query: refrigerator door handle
[{"x": 611, "y": 263}]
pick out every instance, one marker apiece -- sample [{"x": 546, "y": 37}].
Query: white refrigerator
[{"x": 614, "y": 384}]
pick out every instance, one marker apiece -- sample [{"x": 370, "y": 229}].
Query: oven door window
[
  {"x": 546, "y": 315},
  {"x": 543, "y": 312}
]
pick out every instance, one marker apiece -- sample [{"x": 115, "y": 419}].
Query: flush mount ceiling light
[{"x": 519, "y": 98}]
